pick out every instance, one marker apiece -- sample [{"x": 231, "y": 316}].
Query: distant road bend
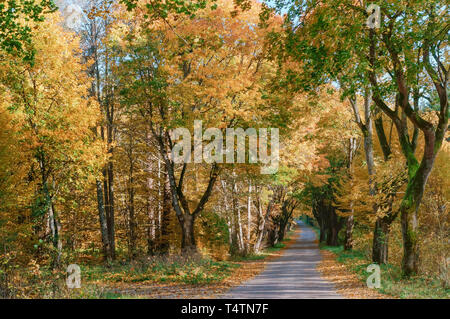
[{"x": 292, "y": 276}]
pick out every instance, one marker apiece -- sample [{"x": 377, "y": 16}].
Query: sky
[{"x": 71, "y": 11}]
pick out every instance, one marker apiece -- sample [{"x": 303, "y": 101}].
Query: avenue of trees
[{"x": 86, "y": 173}]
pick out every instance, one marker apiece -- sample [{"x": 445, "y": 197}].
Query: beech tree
[
  {"x": 45, "y": 99},
  {"x": 171, "y": 69},
  {"x": 15, "y": 31}
]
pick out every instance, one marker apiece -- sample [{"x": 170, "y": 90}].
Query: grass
[
  {"x": 175, "y": 269},
  {"x": 392, "y": 282}
]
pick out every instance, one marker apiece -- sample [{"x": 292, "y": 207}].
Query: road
[{"x": 292, "y": 276}]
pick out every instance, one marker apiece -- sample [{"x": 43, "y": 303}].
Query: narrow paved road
[{"x": 292, "y": 276}]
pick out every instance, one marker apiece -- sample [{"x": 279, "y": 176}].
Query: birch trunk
[{"x": 249, "y": 216}]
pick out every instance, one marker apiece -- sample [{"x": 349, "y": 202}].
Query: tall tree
[
  {"x": 171, "y": 70},
  {"x": 46, "y": 98},
  {"x": 15, "y": 32},
  {"x": 409, "y": 44},
  {"x": 93, "y": 32}
]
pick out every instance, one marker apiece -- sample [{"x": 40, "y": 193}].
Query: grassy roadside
[
  {"x": 392, "y": 282},
  {"x": 347, "y": 269}
]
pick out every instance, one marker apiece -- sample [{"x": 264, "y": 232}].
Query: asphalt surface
[{"x": 292, "y": 276}]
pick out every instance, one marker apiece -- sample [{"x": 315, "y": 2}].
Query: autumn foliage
[{"x": 86, "y": 173}]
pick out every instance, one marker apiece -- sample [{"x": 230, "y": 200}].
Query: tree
[
  {"x": 382, "y": 224},
  {"x": 390, "y": 59},
  {"x": 93, "y": 33},
  {"x": 169, "y": 74},
  {"x": 45, "y": 100},
  {"x": 15, "y": 29}
]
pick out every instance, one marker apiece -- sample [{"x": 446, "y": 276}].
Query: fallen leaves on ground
[{"x": 347, "y": 283}]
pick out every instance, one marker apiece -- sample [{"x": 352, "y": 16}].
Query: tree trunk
[
  {"x": 111, "y": 212},
  {"x": 238, "y": 219},
  {"x": 165, "y": 217},
  {"x": 409, "y": 221},
  {"x": 241, "y": 234},
  {"x": 319, "y": 213},
  {"x": 228, "y": 216},
  {"x": 102, "y": 220},
  {"x": 380, "y": 241},
  {"x": 234, "y": 243},
  {"x": 53, "y": 223},
  {"x": 418, "y": 176},
  {"x": 230, "y": 233},
  {"x": 151, "y": 229},
  {"x": 150, "y": 206},
  {"x": 410, "y": 259},
  {"x": 381, "y": 229},
  {"x": 433, "y": 136},
  {"x": 262, "y": 222},
  {"x": 282, "y": 232},
  {"x": 349, "y": 233},
  {"x": 285, "y": 218},
  {"x": 272, "y": 233},
  {"x": 178, "y": 199},
  {"x": 55, "y": 227},
  {"x": 348, "y": 245},
  {"x": 102, "y": 190},
  {"x": 160, "y": 202},
  {"x": 107, "y": 205},
  {"x": 188, "y": 245},
  {"x": 261, "y": 231},
  {"x": 322, "y": 232},
  {"x": 333, "y": 227},
  {"x": 249, "y": 217},
  {"x": 132, "y": 220}
]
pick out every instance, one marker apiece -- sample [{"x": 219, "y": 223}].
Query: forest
[{"x": 92, "y": 91}]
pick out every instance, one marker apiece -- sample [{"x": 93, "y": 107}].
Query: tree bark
[
  {"x": 241, "y": 234},
  {"x": 381, "y": 228},
  {"x": 102, "y": 220},
  {"x": 282, "y": 231},
  {"x": 318, "y": 212},
  {"x": 262, "y": 220},
  {"x": 163, "y": 246},
  {"x": 53, "y": 222},
  {"x": 188, "y": 245},
  {"x": 111, "y": 221},
  {"x": 249, "y": 217},
  {"x": 237, "y": 211},
  {"x": 55, "y": 227},
  {"x": 348, "y": 245},
  {"x": 261, "y": 231},
  {"x": 287, "y": 209},
  {"x": 95, "y": 33},
  {"x": 151, "y": 228},
  {"x": 333, "y": 227},
  {"x": 409, "y": 220},
  {"x": 380, "y": 241},
  {"x": 131, "y": 215},
  {"x": 179, "y": 201},
  {"x": 380, "y": 246},
  {"x": 150, "y": 205}
]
